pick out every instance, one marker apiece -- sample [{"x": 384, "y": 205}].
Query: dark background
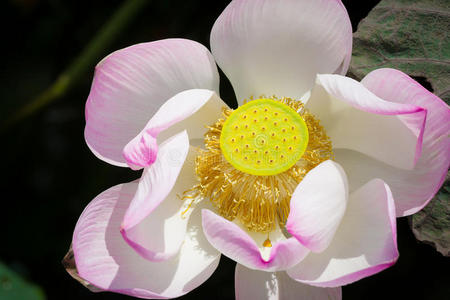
[{"x": 49, "y": 175}]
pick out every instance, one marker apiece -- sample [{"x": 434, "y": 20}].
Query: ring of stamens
[{"x": 258, "y": 202}]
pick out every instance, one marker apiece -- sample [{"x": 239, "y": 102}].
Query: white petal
[
  {"x": 356, "y": 119},
  {"x": 252, "y": 284},
  {"x": 105, "y": 260},
  {"x": 189, "y": 110},
  {"x": 318, "y": 205},
  {"x": 131, "y": 84},
  {"x": 412, "y": 190},
  {"x": 237, "y": 244},
  {"x": 278, "y": 46},
  {"x": 364, "y": 244},
  {"x": 154, "y": 224}
]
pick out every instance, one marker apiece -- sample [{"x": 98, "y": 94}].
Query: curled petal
[
  {"x": 253, "y": 284},
  {"x": 154, "y": 223},
  {"x": 189, "y": 110},
  {"x": 412, "y": 190},
  {"x": 278, "y": 46},
  {"x": 357, "y": 119},
  {"x": 106, "y": 261},
  {"x": 234, "y": 242},
  {"x": 318, "y": 205},
  {"x": 131, "y": 84},
  {"x": 365, "y": 242}
]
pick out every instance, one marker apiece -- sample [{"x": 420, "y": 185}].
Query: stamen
[{"x": 258, "y": 202}]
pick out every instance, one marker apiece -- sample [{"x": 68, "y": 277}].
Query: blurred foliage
[
  {"x": 84, "y": 61},
  {"x": 49, "y": 175},
  {"x": 412, "y": 36},
  {"x": 14, "y": 287}
]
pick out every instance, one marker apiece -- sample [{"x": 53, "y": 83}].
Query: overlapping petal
[
  {"x": 131, "y": 84},
  {"x": 153, "y": 223},
  {"x": 318, "y": 205},
  {"x": 278, "y": 46},
  {"x": 252, "y": 284},
  {"x": 105, "y": 260},
  {"x": 411, "y": 189},
  {"x": 356, "y": 119},
  {"x": 364, "y": 244},
  {"x": 234, "y": 242},
  {"x": 189, "y": 110}
]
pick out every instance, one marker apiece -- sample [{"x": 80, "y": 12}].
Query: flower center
[
  {"x": 263, "y": 137},
  {"x": 255, "y": 188}
]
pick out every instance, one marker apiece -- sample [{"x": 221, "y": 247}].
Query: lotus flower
[{"x": 301, "y": 189}]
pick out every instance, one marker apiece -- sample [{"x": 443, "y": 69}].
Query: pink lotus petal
[
  {"x": 411, "y": 190},
  {"x": 153, "y": 223},
  {"x": 190, "y": 110},
  {"x": 356, "y": 119},
  {"x": 364, "y": 244},
  {"x": 131, "y": 84},
  {"x": 106, "y": 261},
  {"x": 278, "y": 46},
  {"x": 261, "y": 285},
  {"x": 234, "y": 242},
  {"x": 318, "y": 205}
]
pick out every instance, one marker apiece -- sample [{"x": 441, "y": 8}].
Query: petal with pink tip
[
  {"x": 261, "y": 285},
  {"x": 131, "y": 84},
  {"x": 234, "y": 242},
  {"x": 364, "y": 244},
  {"x": 190, "y": 110},
  {"x": 154, "y": 223},
  {"x": 318, "y": 205},
  {"x": 356, "y": 119},
  {"x": 105, "y": 260},
  {"x": 412, "y": 190},
  {"x": 278, "y": 46}
]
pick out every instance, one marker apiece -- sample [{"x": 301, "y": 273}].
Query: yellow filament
[{"x": 258, "y": 202}]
